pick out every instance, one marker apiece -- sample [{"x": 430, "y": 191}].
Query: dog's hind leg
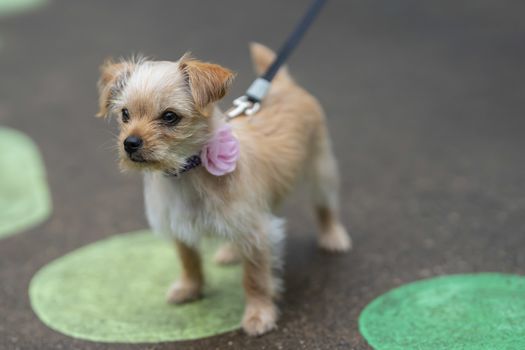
[
  {"x": 324, "y": 182},
  {"x": 227, "y": 254},
  {"x": 189, "y": 285}
]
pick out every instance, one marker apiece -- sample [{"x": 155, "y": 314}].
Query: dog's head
[{"x": 163, "y": 108}]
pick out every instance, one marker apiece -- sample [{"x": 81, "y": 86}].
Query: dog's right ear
[{"x": 113, "y": 78}]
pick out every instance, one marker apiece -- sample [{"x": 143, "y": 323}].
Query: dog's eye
[
  {"x": 125, "y": 115},
  {"x": 170, "y": 118}
]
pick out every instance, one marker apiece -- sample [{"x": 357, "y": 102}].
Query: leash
[{"x": 250, "y": 102}]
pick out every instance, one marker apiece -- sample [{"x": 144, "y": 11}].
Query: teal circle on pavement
[{"x": 467, "y": 312}]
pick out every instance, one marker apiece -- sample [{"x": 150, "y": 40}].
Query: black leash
[{"x": 250, "y": 102}]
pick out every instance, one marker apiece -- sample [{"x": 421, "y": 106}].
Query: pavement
[{"x": 425, "y": 106}]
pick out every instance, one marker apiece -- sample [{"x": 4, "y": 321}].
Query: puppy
[{"x": 205, "y": 176}]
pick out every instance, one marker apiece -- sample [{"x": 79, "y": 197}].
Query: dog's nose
[{"x": 132, "y": 144}]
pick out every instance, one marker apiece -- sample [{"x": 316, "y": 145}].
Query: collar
[
  {"x": 191, "y": 162},
  {"x": 219, "y": 155}
]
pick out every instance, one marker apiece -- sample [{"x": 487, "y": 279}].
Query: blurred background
[{"x": 425, "y": 106}]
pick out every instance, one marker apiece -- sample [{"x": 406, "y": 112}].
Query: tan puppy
[{"x": 166, "y": 114}]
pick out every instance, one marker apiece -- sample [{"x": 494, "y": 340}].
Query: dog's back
[{"x": 284, "y": 137}]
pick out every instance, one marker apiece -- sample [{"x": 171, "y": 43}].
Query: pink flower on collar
[{"x": 219, "y": 156}]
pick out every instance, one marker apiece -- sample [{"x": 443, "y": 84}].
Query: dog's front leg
[
  {"x": 189, "y": 285},
  {"x": 260, "y": 314}
]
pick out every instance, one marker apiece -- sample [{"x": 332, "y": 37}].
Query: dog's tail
[{"x": 263, "y": 57}]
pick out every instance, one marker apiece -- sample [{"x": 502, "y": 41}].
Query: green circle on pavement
[
  {"x": 24, "y": 195},
  {"x": 467, "y": 312},
  {"x": 8, "y": 7},
  {"x": 114, "y": 291}
]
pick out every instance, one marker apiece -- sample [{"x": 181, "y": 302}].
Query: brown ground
[{"x": 426, "y": 111}]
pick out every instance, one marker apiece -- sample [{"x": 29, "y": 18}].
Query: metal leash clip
[
  {"x": 243, "y": 105},
  {"x": 250, "y": 102}
]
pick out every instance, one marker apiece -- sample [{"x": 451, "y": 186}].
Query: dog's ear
[
  {"x": 113, "y": 78},
  {"x": 208, "y": 82}
]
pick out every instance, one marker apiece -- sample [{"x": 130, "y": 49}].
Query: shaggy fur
[{"x": 287, "y": 140}]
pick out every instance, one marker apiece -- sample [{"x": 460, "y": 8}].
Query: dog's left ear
[
  {"x": 208, "y": 82},
  {"x": 113, "y": 77}
]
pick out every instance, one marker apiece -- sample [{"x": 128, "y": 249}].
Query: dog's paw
[
  {"x": 183, "y": 292},
  {"x": 259, "y": 319},
  {"x": 336, "y": 240},
  {"x": 226, "y": 255}
]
